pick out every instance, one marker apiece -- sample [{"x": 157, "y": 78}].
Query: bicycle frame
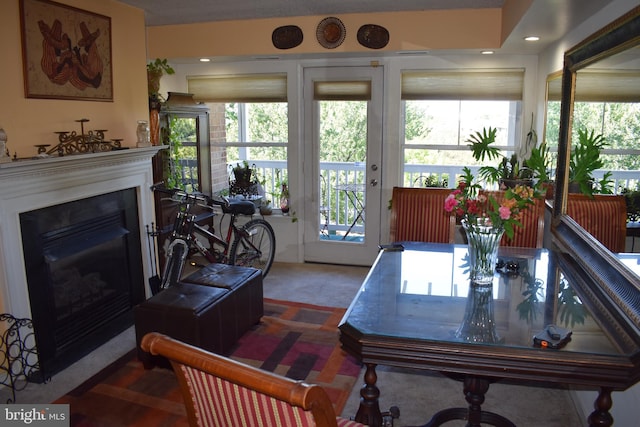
[
  {"x": 221, "y": 256},
  {"x": 187, "y": 229},
  {"x": 242, "y": 245}
]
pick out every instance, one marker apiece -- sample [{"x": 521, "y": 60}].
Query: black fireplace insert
[{"x": 84, "y": 270}]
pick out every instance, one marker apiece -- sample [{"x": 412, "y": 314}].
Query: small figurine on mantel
[{"x": 5, "y": 157}]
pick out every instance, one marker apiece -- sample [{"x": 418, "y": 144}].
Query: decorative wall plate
[
  {"x": 373, "y": 36},
  {"x": 331, "y": 32},
  {"x": 287, "y": 37}
]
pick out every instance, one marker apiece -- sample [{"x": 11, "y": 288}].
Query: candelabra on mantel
[{"x": 73, "y": 143}]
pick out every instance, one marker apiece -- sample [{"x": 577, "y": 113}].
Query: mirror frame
[{"x": 614, "y": 280}]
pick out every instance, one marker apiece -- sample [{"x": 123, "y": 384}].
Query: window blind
[
  {"x": 239, "y": 88},
  {"x": 601, "y": 86},
  {"x": 473, "y": 84},
  {"x": 355, "y": 90}
]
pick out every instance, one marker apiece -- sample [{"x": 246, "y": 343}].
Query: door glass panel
[
  {"x": 343, "y": 156},
  {"x": 184, "y": 153}
]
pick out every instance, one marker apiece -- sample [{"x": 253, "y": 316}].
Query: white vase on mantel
[
  {"x": 143, "y": 134},
  {"x": 4, "y": 152}
]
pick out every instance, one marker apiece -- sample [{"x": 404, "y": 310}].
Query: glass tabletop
[{"x": 422, "y": 294}]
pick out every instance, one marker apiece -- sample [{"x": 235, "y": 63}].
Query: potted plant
[
  {"x": 583, "y": 160},
  {"x": 431, "y": 181},
  {"x": 540, "y": 166},
  {"x": 242, "y": 174},
  {"x": 265, "y": 207},
  {"x": 155, "y": 70},
  {"x": 244, "y": 181},
  {"x": 632, "y": 197},
  {"x": 509, "y": 173}
]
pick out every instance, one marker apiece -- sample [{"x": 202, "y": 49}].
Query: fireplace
[
  {"x": 84, "y": 218},
  {"x": 83, "y": 262}
]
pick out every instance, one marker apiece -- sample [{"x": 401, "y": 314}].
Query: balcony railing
[{"x": 338, "y": 212}]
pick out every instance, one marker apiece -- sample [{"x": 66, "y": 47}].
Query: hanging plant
[{"x": 155, "y": 70}]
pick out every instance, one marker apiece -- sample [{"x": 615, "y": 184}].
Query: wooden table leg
[
  {"x": 369, "y": 410},
  {"x": 601, "y": 417},
  {"x": 474, "y": 390}
]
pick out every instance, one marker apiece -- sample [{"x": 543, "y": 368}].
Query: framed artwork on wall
[{"x": 66, "y": 52}]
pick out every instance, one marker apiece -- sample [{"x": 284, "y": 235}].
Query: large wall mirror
[{"x": 607, "y": 64}]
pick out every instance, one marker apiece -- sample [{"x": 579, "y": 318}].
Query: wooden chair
[
  {"x": 417, "y": 214},
  {"x": 531, "y": 234},
  {"x": 603, "y": 216},
  {"x": 222, "y": 392}
]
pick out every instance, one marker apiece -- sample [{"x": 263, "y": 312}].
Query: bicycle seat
[{"x": 241, "y": 207}]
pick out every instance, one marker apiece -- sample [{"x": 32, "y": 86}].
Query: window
[
  {"x": 442, "y": 108},
  {"x": 249, "y": 122},
  {"x": 258, "y": 133}
]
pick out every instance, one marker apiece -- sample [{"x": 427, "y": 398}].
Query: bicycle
[{"x": 252, "y": 244}]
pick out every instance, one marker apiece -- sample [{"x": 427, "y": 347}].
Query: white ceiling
[{"x": 549, "y": 19}]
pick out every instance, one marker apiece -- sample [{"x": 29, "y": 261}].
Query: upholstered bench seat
[
  {"x": 210, "y": 309},
  {"x": 246, "y": 294}
]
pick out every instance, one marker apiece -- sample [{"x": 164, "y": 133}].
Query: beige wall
[
  {"x": 30, "y": 121},
  {"x": 434, "y": 29}
]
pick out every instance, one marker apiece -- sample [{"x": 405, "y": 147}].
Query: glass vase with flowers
[{"x": 484, "y": 221}]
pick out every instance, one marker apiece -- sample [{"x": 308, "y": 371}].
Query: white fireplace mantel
[{"x": 26, "y": 185}]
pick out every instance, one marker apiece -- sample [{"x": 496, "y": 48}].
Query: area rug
[{"x": 296, "y": 340}]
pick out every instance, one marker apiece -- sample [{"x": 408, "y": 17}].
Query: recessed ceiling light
[
  {"x": 487, "y": 52},
  {"x": 532, "y": 38},
  {"x": 205, "y": 60}
]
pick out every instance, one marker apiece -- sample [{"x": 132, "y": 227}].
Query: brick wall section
[{"x": 217, "y": 133}]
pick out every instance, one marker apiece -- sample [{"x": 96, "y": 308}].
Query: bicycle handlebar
[{"x": 176, "y": 192}]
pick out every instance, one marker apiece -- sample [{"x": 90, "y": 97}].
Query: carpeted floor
[{"x": 296, "y": 340}]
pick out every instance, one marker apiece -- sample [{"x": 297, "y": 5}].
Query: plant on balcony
[
  {"x": 244, "y": 181},
  {"x": 584, "y": 160},
  {"x": 539, "y": 164},
  {"x": 632, "y": 197},
  {"x": 171, "y": 157},
  {"x": 509, "y": 172},
  {"x": 265, "y": 207},
  {"x": 431, "y": 181}
]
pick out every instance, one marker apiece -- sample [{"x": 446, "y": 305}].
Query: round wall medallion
[
  {"x": 287, "y": 37},
  {"x": 373, "y": 36},
  {"x": 331, "y": 32}
]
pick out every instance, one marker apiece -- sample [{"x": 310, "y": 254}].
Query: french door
[{"x": 342, "y": 152}]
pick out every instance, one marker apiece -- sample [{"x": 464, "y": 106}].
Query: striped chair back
[
  {"x": 531, "y": 234},
  {"x": 417, "y": 214},
  {"x": 603, "y": 216},
  {"x": 221, "y": 392}
]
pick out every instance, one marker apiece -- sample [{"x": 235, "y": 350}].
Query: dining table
[{"x": 417, "y": 309}]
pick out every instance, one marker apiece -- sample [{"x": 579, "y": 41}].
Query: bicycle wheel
[
  {"x": 255, "y": 246},
  {"x": 176, "y": 255}
]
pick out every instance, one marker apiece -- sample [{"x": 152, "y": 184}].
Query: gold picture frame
[{"x": 66, "y": 52}]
